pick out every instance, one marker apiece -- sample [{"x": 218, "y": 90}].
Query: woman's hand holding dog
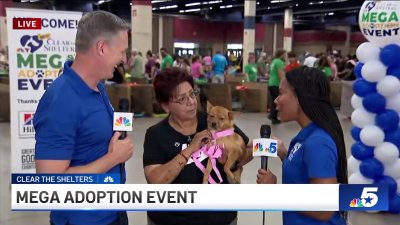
[
  {"x": 266, "y": 177},
  {"x": 201, "y": 138}
]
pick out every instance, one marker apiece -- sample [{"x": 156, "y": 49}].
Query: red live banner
[{"x": 27, "y": 23}]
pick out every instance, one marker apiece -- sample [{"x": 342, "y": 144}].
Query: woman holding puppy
[
  {"x": 169, "y": 145},
  {"x": 317, "y": 154}
]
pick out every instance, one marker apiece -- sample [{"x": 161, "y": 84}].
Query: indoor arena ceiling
[{"x": 306, "y": 13}]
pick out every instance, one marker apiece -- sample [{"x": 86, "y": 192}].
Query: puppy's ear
[
  {"x": 209, "y": 106},
  {"x": 233, "y": 114}
]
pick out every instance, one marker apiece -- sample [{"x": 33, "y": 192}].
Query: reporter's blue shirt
[
  {"x": 312, "y": 154},
  {"x": 74, "y": 122}
]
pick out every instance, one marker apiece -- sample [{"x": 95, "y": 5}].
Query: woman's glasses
[{"x": 184, "y": 99}]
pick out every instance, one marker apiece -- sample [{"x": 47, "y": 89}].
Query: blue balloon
[
  {"x": 394, "y": 70},
  {"x": 390, "y": 182},
  {"x": 388, "y": 120},
  {"x": 374, "y": 102},
  {"x": 393, "y": 137},
  {"x": 357, "y": 69},
  {"x": 394, "y": 204},
  {"x": 355, "y": 133},
  {"x": 361, "y": 151},
  {"x": 371, "y": 168},
  {"x": 362, "y": 87},
  {"x": 390, "y": 54}
]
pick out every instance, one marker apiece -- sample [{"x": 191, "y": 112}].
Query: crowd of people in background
[{"x": 215, "y": 68}]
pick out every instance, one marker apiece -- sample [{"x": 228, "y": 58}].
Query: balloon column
[{"x": 376, "y": 101}]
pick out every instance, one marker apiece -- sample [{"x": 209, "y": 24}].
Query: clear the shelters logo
[{"x": 31, "y": 43}]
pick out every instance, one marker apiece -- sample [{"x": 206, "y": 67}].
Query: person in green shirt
[
  {"x": 167, "y": 59},
  {"x": 251, "y": 69},
  {"x": 323, "y": 65},
  {"x": 277, "y": 72}
]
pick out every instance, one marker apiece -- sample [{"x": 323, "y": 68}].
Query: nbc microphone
[
  {"x": 122, "y": 123},
  {"x": 265, "y": 132},
  {"x": 264, "y": 146},
  {"x": 123, "y": 107}
]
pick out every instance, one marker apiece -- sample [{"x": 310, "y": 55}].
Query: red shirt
[{"x": 291, "y": 66}]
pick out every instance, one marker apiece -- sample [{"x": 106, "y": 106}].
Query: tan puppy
[{"x": 220, "y": 119}]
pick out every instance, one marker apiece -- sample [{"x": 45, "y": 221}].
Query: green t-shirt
[
  {"x": 167, "y": 60},
  {"x": 276, "y": 65},
  {"x": 327, "y": 70},
  {"x": 251, "y": 70}
]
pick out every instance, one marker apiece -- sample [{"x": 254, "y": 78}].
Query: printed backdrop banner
[{"x": 35, "y": 57}]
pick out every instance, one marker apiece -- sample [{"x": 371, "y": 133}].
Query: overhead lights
[
  {"x": 331, "y": 14},
  {"x": 279, "y": 1},
  {"x": 193, "y": 4},
  {"x": 169, "y": 7},
  {"x": 225, "y": 6},
  {"x": 189, "y": 10},
  {"x": 158, "y": 1},
  {"x": 192, "y": 10},
  {"x": 215, "y": 2},
  {"x": 297, "y": 5},
  {"x": 258, "y": 3}
]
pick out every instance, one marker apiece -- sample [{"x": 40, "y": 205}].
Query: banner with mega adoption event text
[
  {"x": 102, "y": 192},
  {"x": 39, "y": 43}
]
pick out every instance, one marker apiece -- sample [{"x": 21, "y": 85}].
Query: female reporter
[
  {"x": 169, "y": 144},
  {"x": 317, "y": 154}
]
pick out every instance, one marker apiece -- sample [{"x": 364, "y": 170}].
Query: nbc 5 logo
[
  {"x": 368, "y": 198},
  {"x": 265, "y": 147},
  {"x": 363, "y": 197}
]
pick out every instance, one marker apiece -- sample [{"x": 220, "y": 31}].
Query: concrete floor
[{"x": 248, "y": 122}]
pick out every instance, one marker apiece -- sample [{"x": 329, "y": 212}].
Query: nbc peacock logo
[
  {"x": 122, "y": 121},
  {"x": 356, "y": 202},
  {"x": 258, "y": 147}
]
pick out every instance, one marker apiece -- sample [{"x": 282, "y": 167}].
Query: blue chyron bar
[
  {"x": 65, "y": 179},
  {"x": 363, "y": 197}
]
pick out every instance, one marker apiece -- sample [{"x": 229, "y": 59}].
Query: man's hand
[{"x": 121, "y": 150}]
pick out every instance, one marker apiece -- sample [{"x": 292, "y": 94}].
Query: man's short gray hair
[{"x": 97, "y": 24}]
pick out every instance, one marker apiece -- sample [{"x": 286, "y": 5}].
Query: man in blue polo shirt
[
  {"x": 219, "y": 66},
  {"x": 74, "y": 118}
]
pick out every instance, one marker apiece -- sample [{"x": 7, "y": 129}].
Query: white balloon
[
  {"x": 393, "y": 102},
  {"x": 387, "y": 153},
  {"x": 373, "y": 71},
  {"x": 388, "y": 86},
  {"x": 393, "y": 170},
  {"x": 356, "y": 101},
  {"x": 353, "y": 165},
  {"x": 378, "y": 21},
  {"x": 372, "y": 135},
  {"x": 398, "y": 185},
  {"x": 368, "y": 52},
  {"x": 358, "y": 178},
  {"x": 361, "y": 117}
]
